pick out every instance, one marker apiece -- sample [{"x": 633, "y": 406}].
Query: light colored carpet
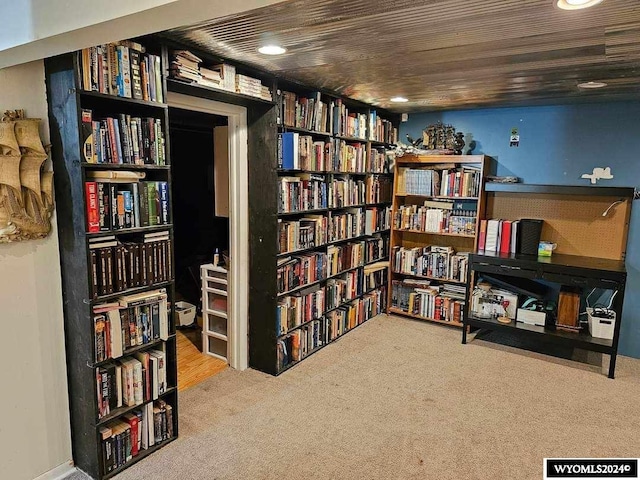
[{"x": 401, "y": 399}]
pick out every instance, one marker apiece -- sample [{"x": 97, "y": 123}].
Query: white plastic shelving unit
[{"x": 215, "y": 328}]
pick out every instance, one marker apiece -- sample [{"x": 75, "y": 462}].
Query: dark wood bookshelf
[
  {"x": 66, "y": 102},
  {"x": 287, "y": 128},
  {"x": 212, "y": 93}
]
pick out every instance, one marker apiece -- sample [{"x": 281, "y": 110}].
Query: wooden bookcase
[
  {"x": 67, "y": 100},
  {"x": 410, "y": 190}
]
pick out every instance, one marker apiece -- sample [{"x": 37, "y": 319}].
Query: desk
[{"x": 567, "y": 270}]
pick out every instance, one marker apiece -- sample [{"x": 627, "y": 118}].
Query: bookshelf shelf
[
  {"x": 397, "y": 311},
  {"x": 124, "y": 100},
  {"x": 74, "y": 120},
  {"x": 219, "y": 94},
  {"x": 420, "y": 182},
  {"x": 301, "y": 287},
  {"x": 352, "y": 139},
  {"x": 124, "y": 231},
  {"x": 440, "y": 234},
  {"x": 141, "y": 455},
  {"x": 287, "y": 128},
  {"x": 131, "y": 291},
  {"x": 124, "y": 410},
  {"x": 424, "y": 277},
  {"x": 123, "y": 166}
]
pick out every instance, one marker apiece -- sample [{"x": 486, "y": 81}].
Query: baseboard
[{"x": 58, "y": 473}]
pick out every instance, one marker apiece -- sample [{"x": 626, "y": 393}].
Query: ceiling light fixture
[
  {"x": 272, "y": 50},
  {"x": 399, "y": 99},
  {"x": 592, "y": 85},
  {"x": 576, "y": 4}
]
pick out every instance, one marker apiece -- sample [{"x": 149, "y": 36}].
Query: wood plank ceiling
[{"x": 441, "y": 54}]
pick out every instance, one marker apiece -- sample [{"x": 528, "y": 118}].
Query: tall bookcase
[
  {"x": 438, "y": 201},
  {"x": 333, "y": 213},
  {"x": 87, "y": 359}
]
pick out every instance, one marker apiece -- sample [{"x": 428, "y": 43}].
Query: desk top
[{"x": 556, "y": 260}]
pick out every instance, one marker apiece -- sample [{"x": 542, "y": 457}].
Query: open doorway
[{"x": 209, "y": 211}]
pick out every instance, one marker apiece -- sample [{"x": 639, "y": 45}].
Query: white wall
[
  {"x": 59, "y": 26},
  {"x": 34, "y": 411},
  {"x": 37, "y": 19}
]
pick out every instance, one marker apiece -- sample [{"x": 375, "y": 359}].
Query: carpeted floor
[{"x": 400, "y": 399}]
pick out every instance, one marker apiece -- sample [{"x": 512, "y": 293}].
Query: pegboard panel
[{"x": 574, "y": 222}]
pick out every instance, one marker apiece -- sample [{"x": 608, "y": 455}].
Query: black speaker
[{"x": 529, "y": 231}]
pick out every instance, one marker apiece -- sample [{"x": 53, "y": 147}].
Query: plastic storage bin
[
  {"x": 601, "y": 327},
  {"x": 185, "y": 314}
]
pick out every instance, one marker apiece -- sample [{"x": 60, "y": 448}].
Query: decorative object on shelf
[
  {"x": 439, "y": 137},
  {"x": 26, "y": 192},
  {"x": 458, "y": 143},
  {"x": 545, "y": 249},
  {"x": 495, "y": 179},
  {"x": 414, "y": 143},
  {"x": 599, "y": 173}
]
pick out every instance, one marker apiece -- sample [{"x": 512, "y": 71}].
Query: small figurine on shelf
[
  {"x": 458, "y": 143},
  {"x": 216, "y": 257}
]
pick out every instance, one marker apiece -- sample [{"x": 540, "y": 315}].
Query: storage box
[
  {"x": 601, "y": 327},
  {"x": 185, "y": 314},
  {"x": 531, "y": 317}
]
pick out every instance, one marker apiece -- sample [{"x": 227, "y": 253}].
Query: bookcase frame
[
  {"x": 66, "y": 99},
  {"x": 403, "y": 238}
]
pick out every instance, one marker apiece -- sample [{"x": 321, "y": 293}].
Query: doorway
[{"x": 208, "y": 153}]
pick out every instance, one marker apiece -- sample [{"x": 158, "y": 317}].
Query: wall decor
[
  {"x": 26, "y": 191},
  {"x": 599, "y": 173}
]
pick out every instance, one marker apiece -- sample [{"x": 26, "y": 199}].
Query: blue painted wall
[{"x": 557, "y": 145}]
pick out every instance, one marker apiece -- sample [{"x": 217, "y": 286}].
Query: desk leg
[
  {"x": 612, "y": 365},
  {"x": 464, "y": 334}
]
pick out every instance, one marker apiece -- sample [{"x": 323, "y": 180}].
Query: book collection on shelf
[
  {"x": 348, "y": 123},
  {"x": 420, "y": 298},
  {"x": 435, "y": 262},
  {"x": 112, "y": 204},
  {"x": 446, "y": 182},
  {"x": 436, "y": 217},
  {"x": 118, "y": 265},
  {"x": 124, "y": 439},
  {"x": 498, "y": 235},
  {"x": 429, "y": 281},
  {"x": 344, "y": 257},
  {"x": 122, "y": 69},
  {"x": 123, "y": 140},
  {"x": 300, "y": 270},
  {"x": 308, "y": 112},
  {"x": 128, "y": 322},
  {"x": 379, "y": 189},
  {"x": 382, "y": 130},
  {"x": 186, "y": 67},
  {"x": 120, "y": 350}
]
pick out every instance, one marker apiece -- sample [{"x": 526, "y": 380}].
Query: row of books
[
  {"x": 186, "y": 66},
  {"x": 302, "y": 307},
  {"x": 302, "y": 152},
  {"x": 447, "y": 181},
  {"x": 308, "y": 112},
  {"x": 123, "y": 140},
  {"x": 344, "y": 257},
  {"x": 117, "y": 266},
  {"x": 125, "y": 438},
  {"x": 348, "y": 224},
  {"x": 431, "y": 261},
  {"x": 300, "y": 234},
  {"x": 377, "y": 219},
  {"x": 497, "y": 235},
  {"x": 379, "y": 161},
  {"x": 313, "y": 231},
  {"x": 349, "y": 157},
  {"x": 131, "y": 381},
  {"x": 378, "y": 189},
  {"x": 345, "y": 192},
  {"x": 437, "y": 220},
  {"x": 343, "y": 288},
  {"x": 131, "y": 321},
  {"x": 123, "y": 69},
  {"x": 294, "y": 272},
  {"x": 375, "y": 275},
  {"x": 428, "y": 301},
  {"x": 302, "y": 193},
  {"x": 112, "y": 205},
  {"x": 381, "y": 130},
  {"x": 346, "y": 317},
  {"x": 303, "y": 341},
  {"x": 349, "y": 123}
]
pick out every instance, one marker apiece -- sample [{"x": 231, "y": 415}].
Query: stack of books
[{"x": 185, "y": 66}]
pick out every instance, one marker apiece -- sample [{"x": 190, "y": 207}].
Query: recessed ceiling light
[
  {"x": 399, "y": 99},
  {"x": 592, "y": 85},
  {"x": 576, "y": 4},
  {"x": 272, "y": 50}
]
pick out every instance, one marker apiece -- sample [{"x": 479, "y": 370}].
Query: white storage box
[
  {"x": 601, "y": 327},
  {"x": 185, "y": 314},
  {"x": 531, "y": 317}
]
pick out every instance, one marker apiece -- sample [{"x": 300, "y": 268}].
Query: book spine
[{"x": 93, "y": 215}]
